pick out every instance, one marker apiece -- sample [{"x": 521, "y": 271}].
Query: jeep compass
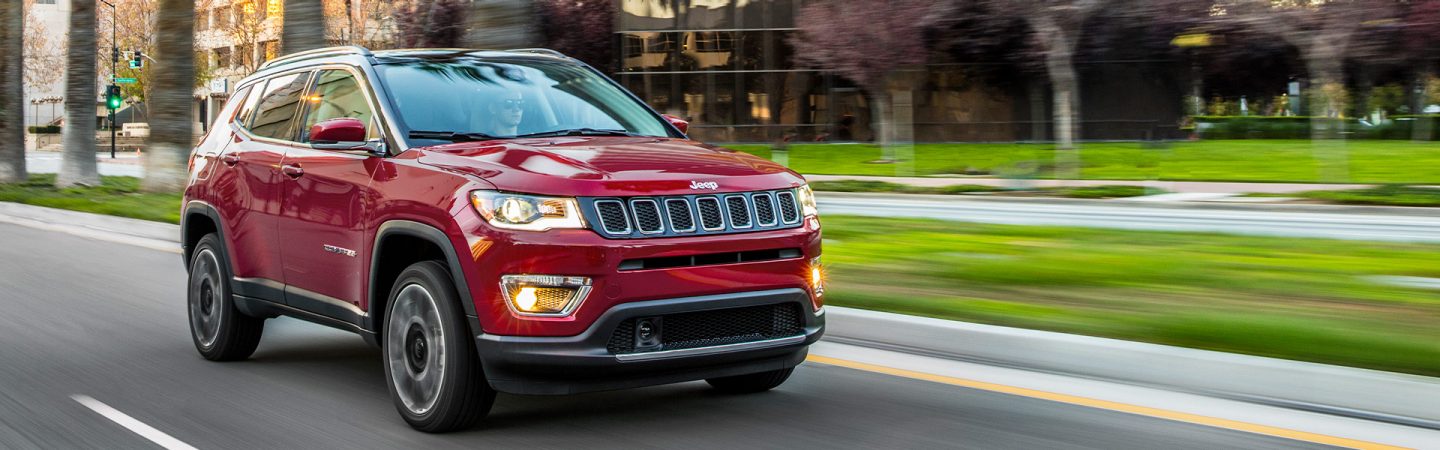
[{"x": 495, "y": 221}]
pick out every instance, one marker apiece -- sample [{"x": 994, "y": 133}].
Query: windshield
[{"x": 508, "y": 98}]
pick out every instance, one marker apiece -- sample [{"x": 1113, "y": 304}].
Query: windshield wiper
[
  {"x": 451, "y": 136},
  {"x": 579, "y": 132}
]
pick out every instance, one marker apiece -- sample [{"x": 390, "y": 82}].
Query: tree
[
  {"x": 12, "y": 99},
  {"x": 252, "y": 24},
  {"x": 430, "y": 24},
  {"x": 866, "y": 41},
  {"x": 581, "y": 29},
  {"x": 500, "y": 24},
  {"x": 171, "y": 131},
  {"x": 304, "y": 27},
  {"x": 77, "y": 166}
]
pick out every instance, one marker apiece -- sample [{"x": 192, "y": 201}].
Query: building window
[
  {"x": 272, "y": 49},
  {"x": 714, "y": 41},
  {"x": 222, "y": 17},
  {"x": 222, "y": 58}
]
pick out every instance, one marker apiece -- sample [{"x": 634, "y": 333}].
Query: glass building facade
[{"x": 728, "y": 67}]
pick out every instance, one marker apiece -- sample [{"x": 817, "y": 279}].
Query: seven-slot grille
[{"x": 685, "y": 215}]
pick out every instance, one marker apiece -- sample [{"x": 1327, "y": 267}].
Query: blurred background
[{"x": 1248, "y": 113}]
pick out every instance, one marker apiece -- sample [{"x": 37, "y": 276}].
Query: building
[
  {"x": 42, "y": 98},
  {"x": 728, "y": 67}
]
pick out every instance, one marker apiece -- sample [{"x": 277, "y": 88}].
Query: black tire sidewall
[
  {"x": 463, "y": 376},
  {"x": 229, "y": 337}
]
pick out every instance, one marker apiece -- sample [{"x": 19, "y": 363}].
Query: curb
[
  {"x": 1361, "y": 393},
  {"x": 1344, "y": 391}
]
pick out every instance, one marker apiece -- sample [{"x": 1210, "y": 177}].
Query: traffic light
[
  {"x": 112, "y": 96},
  {"x": 137, "y": 62}
]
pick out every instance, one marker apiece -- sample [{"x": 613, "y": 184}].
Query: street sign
[
  {"x": 218, "y": 85},
  {"x": 125, "y": 80}
]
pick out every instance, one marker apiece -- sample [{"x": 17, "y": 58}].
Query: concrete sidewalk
[{"x": 1209, "y": 187}]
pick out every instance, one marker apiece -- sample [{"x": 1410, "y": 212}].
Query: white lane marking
[{"x": 136, "y": 426}]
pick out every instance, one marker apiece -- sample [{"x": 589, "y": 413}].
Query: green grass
[
  {"x": 958, "y": 189},
  {"x": 1238, "y": 160},
  {"x": 1303, "y": 299},
  {"x": 116, "y": 196},
  {"x": 1393, "y": 195}
]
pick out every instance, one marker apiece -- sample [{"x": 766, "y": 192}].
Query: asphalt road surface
[
  {"x": 1249, "y": 220},
  {"x": 88, "y": 318}
]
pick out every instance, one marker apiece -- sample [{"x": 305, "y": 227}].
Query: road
[
  {"x": 106, "y": 321},
  {"x": 1233, "y": 219}
]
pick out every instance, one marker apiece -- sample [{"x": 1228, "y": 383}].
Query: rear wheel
[
  {"x": 220, "y": 331},
  {"x": 755, "y": 382},
  {"x": 431, "y": 365}
]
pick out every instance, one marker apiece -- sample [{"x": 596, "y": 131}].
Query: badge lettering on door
[
  {"x": 708, "y": 185},
  {"x": 339, "y": 251}
]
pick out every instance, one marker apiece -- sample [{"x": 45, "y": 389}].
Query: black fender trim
[
  {"x": 198, "y": 207},
  {"x": 435, "y": 236}
]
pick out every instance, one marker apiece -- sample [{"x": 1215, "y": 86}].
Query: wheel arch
[
  {"x": 197, "y": 220},
  {"x": 391, "y": 239}
]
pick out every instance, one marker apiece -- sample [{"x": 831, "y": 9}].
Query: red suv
[{"x": 508, "y": 221}]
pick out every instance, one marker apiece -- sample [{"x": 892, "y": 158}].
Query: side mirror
[
  {"x": 345, "y": 133},
  {"x": 679, "y": 123}
]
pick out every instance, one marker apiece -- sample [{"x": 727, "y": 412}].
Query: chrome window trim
[
  {"x": 636, "y": 218},
  {"x": 690, "y": 209},
  {"x": 719, "y": 206},
  {"x": 623, "y": 213}
]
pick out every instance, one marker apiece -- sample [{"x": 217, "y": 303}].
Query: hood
[{"x": 609, "y": 166}]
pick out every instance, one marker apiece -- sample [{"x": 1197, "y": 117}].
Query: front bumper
[{"x": 584, "y": 363}]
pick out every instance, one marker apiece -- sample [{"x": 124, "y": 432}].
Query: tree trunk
[
  {"x": 172, "y": 131},
  {"x": 303, "y": 26},
  {"x": 1424, "y": 126},
  {"x": 12, "y": 98},
  {"x": 1327, "y": 83},
  {"x": 77, "y": 166},
  {"x": 1065, "y": 91},
  {"x": 880, "y": 115},
  {"x": 500, "y": 24}
]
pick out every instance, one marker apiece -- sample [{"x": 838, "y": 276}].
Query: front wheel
[
  {"x": 220, "y": 331},
  {"x": 755, "y": 382},
  {"x": 431, "y": 365}
]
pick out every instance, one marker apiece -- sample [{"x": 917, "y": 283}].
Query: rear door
[
  {"x": 323, "y": 212},
  {"x": 249, "y": 199}
]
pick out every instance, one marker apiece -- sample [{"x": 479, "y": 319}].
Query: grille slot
[
  {"x": 647, "y": 215},
  {"x": 789, "y": 211},
  {"x": 716, "y": 327},
  {"x": 739, "y": 211},
  {"x": 710, "y": 217},
  {"x": 612, "y": 216},
  {"x": 764, "y": 209},
  {"x": 682, "y": 220}
]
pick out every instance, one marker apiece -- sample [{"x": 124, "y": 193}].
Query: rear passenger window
[
  {"x": 277, "y": 107},
  {"x": 247, "y": 109}
]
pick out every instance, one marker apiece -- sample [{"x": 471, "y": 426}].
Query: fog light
[
  {"x": 544, "y": 295},
  {"x": 817, "y": 277}
]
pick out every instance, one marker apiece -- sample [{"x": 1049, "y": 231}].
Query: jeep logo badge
[{"x": 706, "y": 185}]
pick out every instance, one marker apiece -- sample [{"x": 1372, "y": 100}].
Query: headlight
[
  {"x": 527, "y": 212},
  {"x": 807, "y": 201}
]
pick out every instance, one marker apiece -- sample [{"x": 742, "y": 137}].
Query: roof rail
[
  {"x": 543, "y": 51},
  {"x": 316, "y": 53}
]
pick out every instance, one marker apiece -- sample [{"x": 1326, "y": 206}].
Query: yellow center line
[{"x": 1109, "y": 405}]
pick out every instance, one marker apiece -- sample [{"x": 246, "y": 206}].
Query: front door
[{"x": 323, "y": 206}]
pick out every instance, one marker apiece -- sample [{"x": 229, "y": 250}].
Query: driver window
[{"x": 337, "y": 94}]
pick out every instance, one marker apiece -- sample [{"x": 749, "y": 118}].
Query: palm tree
[
  {"x": 77, "y": 166},
  {"x": 12, "y": 116},
  {"x": 501, "y": 24},
  {"x": 304, "y": 26},
  {"x": 171, "y": 132}
]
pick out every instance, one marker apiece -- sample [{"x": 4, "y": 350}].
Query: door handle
[
  {"x": 230, "y": 159},
  {"x": 292, "y": 170}
]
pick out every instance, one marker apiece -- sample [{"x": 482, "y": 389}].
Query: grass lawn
[
  {"x": 1238, "y": 160},
  {"x": 1303, "y": 299},
  {"x": 116, "y": 196},
  {"x": 1393, "y": 195}
]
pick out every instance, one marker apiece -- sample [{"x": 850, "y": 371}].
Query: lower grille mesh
[{"x": 716, "y": 327}]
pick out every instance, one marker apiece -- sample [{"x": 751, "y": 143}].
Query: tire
[
  {"x": 431, "y": 366},
  {"x": 751, "y": 383},
  {"x": 220, "y": 331}
]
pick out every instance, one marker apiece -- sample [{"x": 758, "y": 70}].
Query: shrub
[{"x": 45, "y": 129}]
